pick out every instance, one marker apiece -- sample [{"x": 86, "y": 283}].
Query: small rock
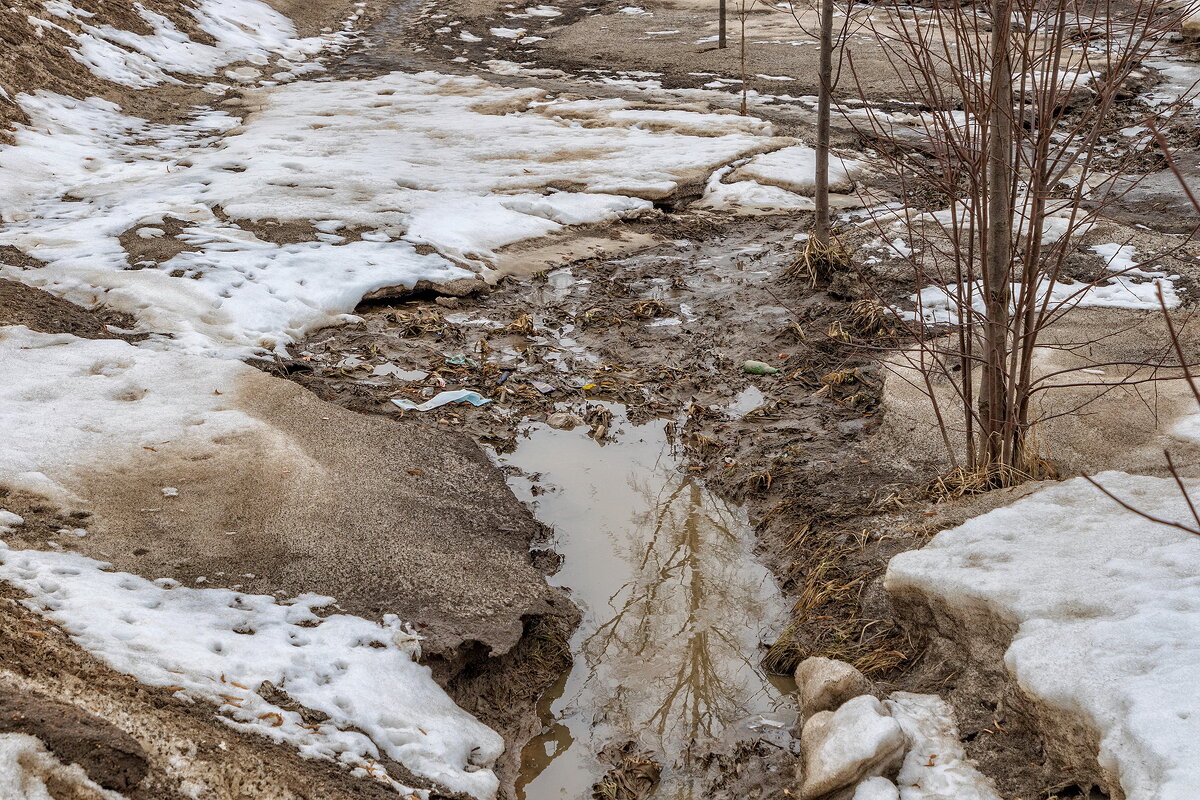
[
  {"x": 859, "y": 740},
  {"x": 876, "y": 789},
  {"x": 823, "y": 684},
  {"x": 563, "y": 421}
]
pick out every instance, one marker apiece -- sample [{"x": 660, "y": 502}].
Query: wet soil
[{"x": 664, "y": 334}]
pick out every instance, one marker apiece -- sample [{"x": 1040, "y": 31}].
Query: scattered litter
[
  {"x": 544, "y": 388},
  {"x": 170, "y": 491},
  {"x": 759, "y": 368},
  {"x": 460, "y": 361},
  {"x": 402, "y": 374},
  {"x": 443, "y": 398}
]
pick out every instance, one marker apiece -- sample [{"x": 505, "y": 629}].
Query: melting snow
[
  {"x": 219, "y": 645},
  {"x": 1105, "y": 604},
  {"x": 242, "y": 30},
  {"x": 455, "y": 163}
]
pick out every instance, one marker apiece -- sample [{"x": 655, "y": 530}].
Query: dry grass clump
[
  {"x": 818, "y": 262},
  {"x": 648, "y": 309},
  {"x": 964, "y": 481},
  {"x": 827, "y": 617},
  {"x": 521, "y": 326}
]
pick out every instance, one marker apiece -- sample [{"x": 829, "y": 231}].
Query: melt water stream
[{"x": 675, "y": 609}]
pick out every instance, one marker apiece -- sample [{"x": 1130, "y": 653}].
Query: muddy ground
[
  {"x": 665, "y": 331},
  {"x": 660, "y": 317}
]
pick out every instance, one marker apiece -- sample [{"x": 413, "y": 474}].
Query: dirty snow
[
  {"x": 458, "y": 164},
  {"x": 935, "y": 767},
  {"x": 1130, "y": 289},
  {"x": 219, "y": 645},
  {"x": 29, "y": 771},
  {"x": 242, "y": 30},
  {"x": 70, "y": 405},
  {"x": 1105, "y": 605},
  {"x": 9, "y": 520}
]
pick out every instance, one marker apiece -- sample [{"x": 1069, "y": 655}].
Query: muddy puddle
[{"x": 676, "y": 609}]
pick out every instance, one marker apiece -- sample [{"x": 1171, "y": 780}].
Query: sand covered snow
[
  {"x": 458, "y": 165},
  {"x": 77, "y": 408},
  {"x": 71, "y": 405},
  {"x": 1104, "y": 604}
]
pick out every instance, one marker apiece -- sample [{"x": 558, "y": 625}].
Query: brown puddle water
[{"x": 675, "y": 607}]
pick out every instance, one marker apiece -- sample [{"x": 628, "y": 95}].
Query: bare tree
[
  {"x": 1018, "y": 100},
  {"x": 824, "y": 113}
]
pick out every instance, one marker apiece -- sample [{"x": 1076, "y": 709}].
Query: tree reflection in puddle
[{"x": 674, "y": 603}]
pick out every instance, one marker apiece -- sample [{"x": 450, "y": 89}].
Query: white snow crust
[
  {"x": 1105, "y": 605},
  {"x": 219, "y": 645},
  {"x": 936, "y": 766},
  {"x": 457, "y": 164}
]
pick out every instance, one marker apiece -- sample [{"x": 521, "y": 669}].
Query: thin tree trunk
[
  {"x": 721, "y": 43},
  {"x": 997, "y": 278},
  {"x": 824, "y": 104},
  {"x": 745, "y": 76}
]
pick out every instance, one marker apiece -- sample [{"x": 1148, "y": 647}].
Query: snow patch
[
  {"x": 219, "y": 646},
  {"x": 454, "y": 163},
  {"x": 29, "y": 771},
  {"x": 936, "y": 766},
  {"x": 1106, "y": 605},
  {"x": 242, "y": 30}
]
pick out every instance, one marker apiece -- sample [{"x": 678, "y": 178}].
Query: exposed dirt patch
[
  {"x": 41, "y": 311},
  {"x": 149, "y": 245},
  {"x": 109, "y": 755}
]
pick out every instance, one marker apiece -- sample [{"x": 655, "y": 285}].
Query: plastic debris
[
  {"x": 542, "y": 387},
  {"x": 759, "y": 368},
  {"x": 402, "y": 374},
  {"x": 442, "y": 399},
  {"x": 460, "y": 361}
]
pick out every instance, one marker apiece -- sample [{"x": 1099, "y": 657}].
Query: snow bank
[
  {"x": 28, "y": 771},
  {"x": 69, "y": 405},
  {"x": 217, "y": 645},
  {"x": 456, "y": 164},
  {"x": 241, "y": 30},
  {"x": 1105, "y": 606}
]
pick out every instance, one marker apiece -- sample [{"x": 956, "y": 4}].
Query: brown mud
[
  {"x": 665, "y": 333},
  {"x": 662, "y": 329}
]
